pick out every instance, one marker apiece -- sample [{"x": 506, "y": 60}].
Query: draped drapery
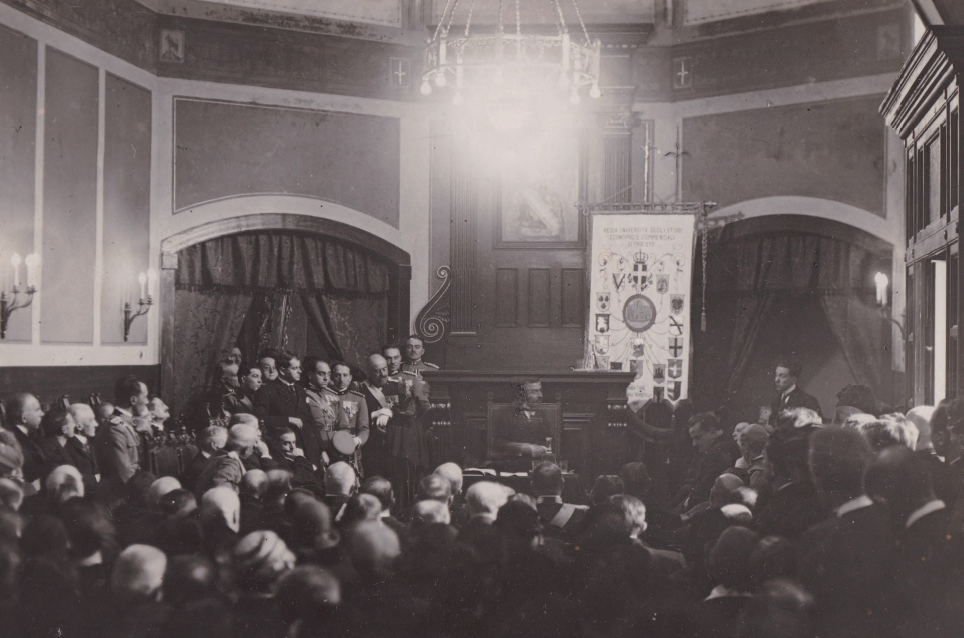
[
  {"x": 207, "y": 323},
  {"x": 748, "y": 273},
  {"x": 274, "y": 288},
  {"x": 288, "y": 261},
  {"x": 857, "y": 327}
]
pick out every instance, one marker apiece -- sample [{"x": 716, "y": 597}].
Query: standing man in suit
[
  {"x": 414, "y": 350},
  {"x": 283, "y": 403},
  {"x": 790, "y": 396},
  {"x": 119, "y": 444},
  {"x": 395, "y": 405},
  {"x": 23, "y": 413}
]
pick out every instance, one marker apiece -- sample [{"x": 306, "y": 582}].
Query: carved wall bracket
[{"x": 433, "y": 320}]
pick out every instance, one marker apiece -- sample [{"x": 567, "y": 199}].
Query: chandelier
[{"x": 499, "y": 63}]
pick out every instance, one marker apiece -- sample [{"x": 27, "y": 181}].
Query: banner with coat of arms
[{"x": 641, "y": 274}]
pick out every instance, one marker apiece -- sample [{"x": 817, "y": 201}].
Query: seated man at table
[{"x": 525, "y": 430}]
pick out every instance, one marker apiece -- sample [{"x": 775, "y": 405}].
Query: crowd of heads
[{"x": 794, "y": 528}]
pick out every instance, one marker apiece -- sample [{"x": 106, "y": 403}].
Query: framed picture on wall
[{"x": 539, "y": 192}]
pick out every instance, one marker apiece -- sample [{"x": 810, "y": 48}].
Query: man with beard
[{"x": 395, "y": 405}]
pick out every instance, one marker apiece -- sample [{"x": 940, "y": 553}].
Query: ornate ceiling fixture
[{"x": 491, "y": 63}]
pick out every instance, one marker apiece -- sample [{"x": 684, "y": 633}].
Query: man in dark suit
[
  {"x": 394, "y": 408},
  {"x": 80, "y": 447},
  {"x": 849, "y": 561},
  {"x": 930, "y": 547},
  {"x": 561, "y": 519},
  {"x": 209, "y": 441},
  {"x": 790, "y": 396},
  {"x": 23, "y": 414},
  {"x": 717, "y": 453},
  {"x": 282, "y": 403}
]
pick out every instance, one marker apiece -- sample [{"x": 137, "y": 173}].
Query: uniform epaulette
[
  {"x": 116, "y": 420},
  {"x": 356, "y": 393},
  {"x": 414, "y": 374},
  {"x": 431, "y": 365}
]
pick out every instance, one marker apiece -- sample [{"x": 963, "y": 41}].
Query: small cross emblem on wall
[
  {"x": 682, "y": 73},
  {"x": 399, "y": 72}
]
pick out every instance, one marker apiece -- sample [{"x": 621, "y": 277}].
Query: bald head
[
  {"x": 377, "y": 370},
  {"x": 254, "y": 483},
  {"x": 428, "y": 513},
  {"x": 159, "y": 488},
  {"x": 222, "y": 504},
  {"x": 373, "y": 547},
  {"x": 339, "y": 479},
  {"x": 64, "y": 482},
  {"x": 723, "y": 488},
  {"x": 242, "y": 418},
  {"x": 453, "y": 473},
  {"x": 242, "y": 438},
  {"x": 485, "y": 498},
  {"x": 138, "y": 573}
]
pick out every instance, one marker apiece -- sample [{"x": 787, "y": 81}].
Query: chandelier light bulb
[
  {"x": 426, "y": 88},
  {"x": 594, "y": 92}
]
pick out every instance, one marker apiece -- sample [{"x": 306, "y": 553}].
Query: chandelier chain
[
  {"x": 468, "y": 21},
  {"x": 585, "y": 31},
  {"x": 441, "y": 20},
  {"x": 562, "y": 21}
]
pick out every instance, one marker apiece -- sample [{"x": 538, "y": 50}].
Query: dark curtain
[
  {"x": 207, "y": 324},
  {"x": 751, "y": 310},
  {"x": 320, "y": 321},
  {"x": 857, "y": 327},
  {"x": 746, "y": 273},
  {"x": 281, "y": 261},
  {"x": 281, "y": 289}
]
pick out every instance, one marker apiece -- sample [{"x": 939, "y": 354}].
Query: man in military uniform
[
  {"x": 395, "y": 405},
  {"x": 393, "y": 359},
  {"x": 414, "y": 350},
  {"x": 336, "y": 408},
  {"x": 119, "y": 445}
]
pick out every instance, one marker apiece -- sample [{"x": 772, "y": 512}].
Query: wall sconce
[
  {"x": 144, "y": 302},
  {"x": 881, "y": 282},
  {"x": 8, "y": 305}
]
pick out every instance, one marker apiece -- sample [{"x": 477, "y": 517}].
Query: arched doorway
[
  {"x": 216, "y": 276},
  {"x": 792, "y": 286}
]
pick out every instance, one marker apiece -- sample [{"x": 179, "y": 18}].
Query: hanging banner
[{"x": 642, "y": 269}]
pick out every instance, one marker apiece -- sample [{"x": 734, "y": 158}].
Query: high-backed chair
[{"x": 502, "y": 417}]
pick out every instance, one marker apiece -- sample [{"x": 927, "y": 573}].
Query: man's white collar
[
  {"x": 923, "y": 511},
  {"x": 854, "y": 504},
  {"x": 787, "y": 392}
]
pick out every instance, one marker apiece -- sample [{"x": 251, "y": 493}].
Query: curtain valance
[{"x": 281, "y": 260}]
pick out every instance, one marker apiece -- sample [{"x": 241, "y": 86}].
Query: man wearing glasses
[{"x": 283, "y": 403}]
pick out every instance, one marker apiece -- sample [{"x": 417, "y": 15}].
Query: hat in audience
[
  {"x": 261, "y": 556},
  {"x": 11, "y": 457}
]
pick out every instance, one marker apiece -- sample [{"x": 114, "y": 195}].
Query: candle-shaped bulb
[
  {"x": 33, "y": 266},
  {"x": 151, "y": 282},
  {"x": 15, "y": 262},
  {"x": 142, "y": 280}
]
